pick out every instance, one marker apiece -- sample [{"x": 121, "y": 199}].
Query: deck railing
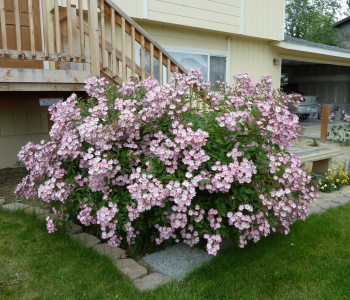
[{"x": 91, "y": 35}]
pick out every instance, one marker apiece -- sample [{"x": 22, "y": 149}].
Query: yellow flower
[
  {"x": 334, "y": 169},
  {"x": 322, "y": 188},
  {"x": 337, "y": 180}
]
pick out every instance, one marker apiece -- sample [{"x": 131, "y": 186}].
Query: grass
[{"x": 312, "y": 262}]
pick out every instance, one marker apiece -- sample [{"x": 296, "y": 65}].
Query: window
[
  {"x": 212, "y": 66},
  {"x": 211, "y": 63}
]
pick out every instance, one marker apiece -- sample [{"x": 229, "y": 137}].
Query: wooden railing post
[
  {"x": 94, "y": 40},
  {"x": 324, "y": 122}
]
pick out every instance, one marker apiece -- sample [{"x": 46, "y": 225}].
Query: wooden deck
[{"x": 67, "y": 45}]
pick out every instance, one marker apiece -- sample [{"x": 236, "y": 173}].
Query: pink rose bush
[{"x": 143, "y": 167}]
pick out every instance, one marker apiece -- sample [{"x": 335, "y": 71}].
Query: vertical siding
[
  {"x": 263, "y": 19},
  {"x": 255, "y": 57}
]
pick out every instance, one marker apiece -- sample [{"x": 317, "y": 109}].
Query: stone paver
[
  {"x": 38, "y": 211},
  {"x": 151, "y": 281},
  {"x": 15, "y": 206},
  {"x": 315, "y": 210},
  {"x": 347, "y": 195},
  {"x": 113, "y": 252},
  {"x": 87, "y": 239},
  {"x": 327, "y": 204},
  {"x": 131, "y": 268},
  {"x": 2, "y": 201},
  {"x": 72, "y": 228},
  {"x": 43, "y": 217},
  {"x": 341, "y": 200}
]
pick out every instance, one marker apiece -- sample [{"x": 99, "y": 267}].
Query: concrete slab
[
  {"x": 38, "y": 211},
  {"x": 15, "y": 206},
  {"x": 113, "y": 252},
  {"x": 315, "y": 210},
  {"x": 341, "y": 200},
  {"x": 87, "y": 239},
  {"x": 131, "y": 268},
  {"x": 347, "y": 195},
  {"x": 72, "y": 228},
  {"x": 177, "y": 261},
  {"x": 151, "y": 281},
  {"x": 327, "y": 204}
]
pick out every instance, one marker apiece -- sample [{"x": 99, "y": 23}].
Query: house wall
[
  {"x": 344, "y": 34},
  {"x": 22, "y": 120},
  {"x": 247, "y": 55}
]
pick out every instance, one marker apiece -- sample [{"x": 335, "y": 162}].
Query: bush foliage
[{"x": 142, "y": 166}]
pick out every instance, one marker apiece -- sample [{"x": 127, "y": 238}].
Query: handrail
[
  {"x": 143, "y": 32},
  {"x": 75, "y": 41}
]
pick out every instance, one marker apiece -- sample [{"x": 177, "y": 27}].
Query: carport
[{"x": 317, "y": 69}]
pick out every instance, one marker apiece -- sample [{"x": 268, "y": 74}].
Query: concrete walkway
[{"x": 323, "y": 206}]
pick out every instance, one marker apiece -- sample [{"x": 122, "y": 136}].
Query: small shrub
[
  {"x": 314, "y": 143},
  {"x": 340, "y": 133},
  {"x": 334, "y": 179},
  {"x": 140, "y": 165}
]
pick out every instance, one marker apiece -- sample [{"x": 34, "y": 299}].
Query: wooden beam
[
  {"x": 82, "y": 34},
  {"x": 94, "y": 44},
  {"x": 143, "y": 58},
  {"x": 133, "y": 41},
  {"x": 40, "y": 75},
  {"x": 324, "y": 123},
  {"x": 70, "y": 29},
  {"x": 27, "y": 55},
  {"x": 31, "y": 27},
  {"x": 103, "y": 34},
  {"x": 114, "y": 59},
  {"x": 124, "y": 75},
  {"x": 160, "y": 70},
  {"x": 151, "y": 53},
  {"x": 18, "y": 28},
  {"x": 41, "y": 87},
  {"x": 57, "y": 28},
  {"x": 3, "y": 27}
]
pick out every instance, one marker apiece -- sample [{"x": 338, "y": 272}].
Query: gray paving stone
[
  {"x": 2, "y": 201},
  {"x": 113, "y": 252},
  {"x": 131, "y": 268},
  {"x": 341, "y": 200},
  {"x": 43, "y": 217},
  {"x": 151, "y": 281},
  {"x": 315, "y": 210},
  {"x": 72, "y": 228},
  {"x": 15, "y": 206},
  {"x": 178, "y": 260},
  {"x": 37, "y": 210},
  {"x": 327, "y": 204},
  {"x": 347, "y": 195},
  {"x": 87, "y": 239}
]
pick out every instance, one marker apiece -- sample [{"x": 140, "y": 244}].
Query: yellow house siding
[
  {"x": 18, "y": 126},
  {"x": 253, "y": 56},
  {"x": 263, "y": 19},
  {"x": 166, "y": 34},
  {"x": 221, "y": 15}
]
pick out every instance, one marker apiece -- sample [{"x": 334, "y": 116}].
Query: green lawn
[{"x": 313, "y": 262}]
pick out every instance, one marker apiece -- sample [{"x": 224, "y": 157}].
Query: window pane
[
  {"x": 193, "y": 61},
  {"x": 217, "y": 69}
]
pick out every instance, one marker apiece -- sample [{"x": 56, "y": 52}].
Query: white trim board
[
  {"x": 170, "y": 48},
  {"x": 317, "y": 61},
  {"x": 311, "y": 49}
]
